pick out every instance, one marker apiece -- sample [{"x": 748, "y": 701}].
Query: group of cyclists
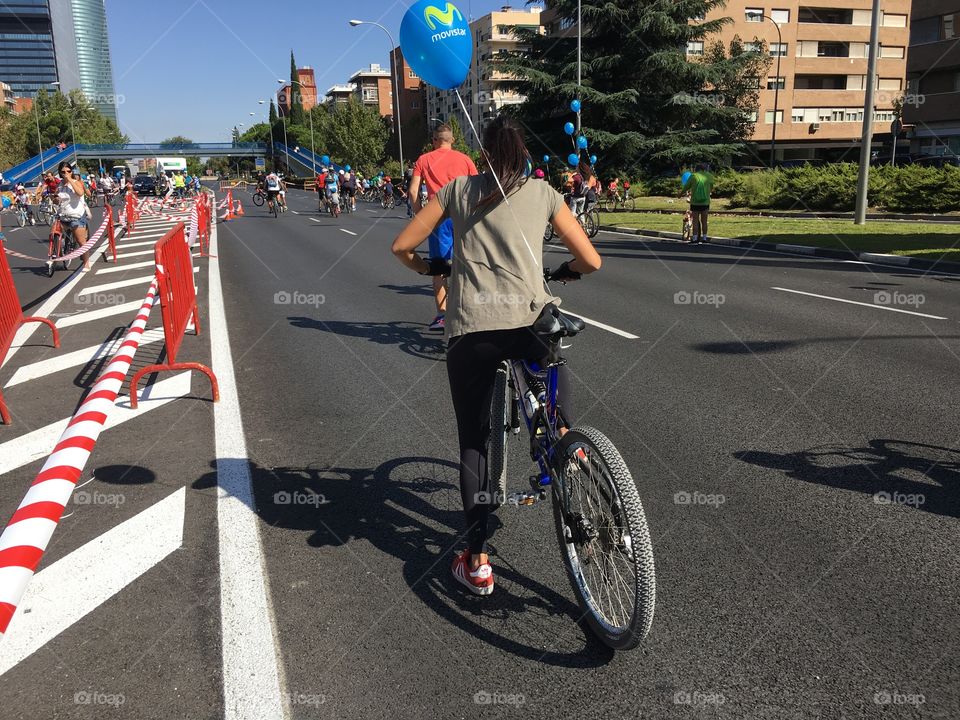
[
  {"x": 47, "y": 193},
  {"x": 178, "y": 185}
]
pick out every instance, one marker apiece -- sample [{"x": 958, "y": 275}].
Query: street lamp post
[
  {"x": 776, "y": 84},
  {"x": 866, "y": 141},
  {"x": 396, "y": 83},
  {"x": 313, "y": 147}
]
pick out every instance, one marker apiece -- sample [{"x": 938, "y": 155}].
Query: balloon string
[{"x": 493, "y": 172}]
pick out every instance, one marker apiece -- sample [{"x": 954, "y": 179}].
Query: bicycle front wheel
[
  {"x": 21, "y": 218},
  {"x": 604, "y": 539},
  {"x": 497, "y": 444},
  {"x": 588, "y": 224},
  {"x": 258, "y": 199}
]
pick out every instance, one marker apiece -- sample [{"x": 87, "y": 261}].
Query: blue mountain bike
[{"x": 601, "y": 527}]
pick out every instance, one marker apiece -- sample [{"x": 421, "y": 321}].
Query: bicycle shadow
[
  {"x": 408, "y": 337},
  {"x": 918, "y": 475},
  {"x": 425, "y": 290},
  {"x": 410, "y": 508}
]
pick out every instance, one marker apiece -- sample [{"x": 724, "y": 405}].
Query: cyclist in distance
[
  {"x": 497, "y": 292},
  {"x": 23, "y": 200},
  {"x": 271, "y": 184}
]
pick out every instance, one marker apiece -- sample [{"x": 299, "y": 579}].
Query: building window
[
  {"x": 797, "y": 115},
  {"x": 768, "y": 117},
  {"x": 413, "y": 75},
  {"x": 776, "y": 83},
  {"x": 753, "y": 46},
  {"x": 888, "y": 84},
  {"x": 415, "y": 104},
  {"x": 371, "y": 94},
  {"x": 754, "y": 14},
  {"x": 778, "y": 49},
  {"x": 695, "y": 47},
  {"x": 781, "y": 17},
  {"x": 894, "y": 20},
  {"x": 891, "y": 51}
]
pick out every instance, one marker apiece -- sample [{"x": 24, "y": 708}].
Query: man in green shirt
[{"x": 700, "y": 183}]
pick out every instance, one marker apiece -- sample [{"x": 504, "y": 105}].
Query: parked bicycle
[{"x": 600, "y": 524}]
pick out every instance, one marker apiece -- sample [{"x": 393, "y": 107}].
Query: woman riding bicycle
[
  {"x": 73, "y": 207},
  {"x": 496, "y": 294}
]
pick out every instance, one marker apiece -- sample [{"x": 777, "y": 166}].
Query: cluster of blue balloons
[{"x": 581, "y": 142}]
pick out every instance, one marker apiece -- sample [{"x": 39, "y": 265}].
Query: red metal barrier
[
  {"x": 132, "y": 212},
  {"x": 11, "y": 318},
  {"x": 178, "y": 304},
  {"x": 111, "y": 233}
]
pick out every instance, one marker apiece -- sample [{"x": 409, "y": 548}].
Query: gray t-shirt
[{"x": 496, "y": 283}]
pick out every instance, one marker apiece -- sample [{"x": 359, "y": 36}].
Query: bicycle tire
[
  {"x": 273, "y": 209},
  {"x": 68, "y": 247},
  {"x": 624, "y": 530},
  {"x": 595, "y": 218},
  {"x": 587, "y": 223},
  {"x": 258, "y": 199},
  {"x": 629, "y": 204},
  {"x": 21, "y": 218},
  {"x": 497, "y": 442}
]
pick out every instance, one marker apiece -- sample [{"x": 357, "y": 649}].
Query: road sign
[{"x": 260, "y": 163}]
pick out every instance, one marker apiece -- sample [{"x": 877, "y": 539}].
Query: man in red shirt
[
  {"x": 436, "y": 169},
  {"x": 321, "y": 182}
]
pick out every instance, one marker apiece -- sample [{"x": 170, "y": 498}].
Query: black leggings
[{"x": 472, "y": 362}]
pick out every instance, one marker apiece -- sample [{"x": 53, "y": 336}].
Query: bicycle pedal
[{"x": 525, "y": 499}]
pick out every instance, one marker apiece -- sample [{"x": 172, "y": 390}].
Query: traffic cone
[
  {"x": 229, "y": 215},
  {"x": 240, "y": 212}
]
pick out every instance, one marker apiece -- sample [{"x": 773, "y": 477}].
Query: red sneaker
[{"x": 479, "y": 581}]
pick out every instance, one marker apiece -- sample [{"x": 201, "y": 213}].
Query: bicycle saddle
[{"x": 552, "y": 322}]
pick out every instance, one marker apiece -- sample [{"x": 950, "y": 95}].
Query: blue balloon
[
  {"x": 593, "y": 159},
  {"x": 582, "y": 142},
  {"x": 573, "y": 159},
  {"x": 575, "y": 105},
  {"x": 347, "y": 168},
  {"x": 437, "y": 43},
  {"x": 685, "y": 177},
  {"x": 569, "y": 128},
  {"x": 6, "y": 201},
  {"x": 546, "y": 158}
]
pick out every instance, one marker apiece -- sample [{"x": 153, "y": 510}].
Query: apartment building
[
  {"x": 411, "y": 104},
  {"x": 307, "y": 90},
  {"x": 339, "y": 93},
  {"x": 822, "y": 52},
  {"x": 486, "y": 90},
  {"x": 932, "y": 102},
  {"x": 374, "y": 88}
]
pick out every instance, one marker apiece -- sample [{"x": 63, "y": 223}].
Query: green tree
[
  {"x": 176, "y": 141},
  {"x": 297, "y": 116},
  {"x": 355, "y": 134},
  {"x": 635, "y": 69}
]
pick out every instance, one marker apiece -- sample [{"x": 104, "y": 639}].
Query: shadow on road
[
  {"x": 752, "y": 347},
  {"x": 410, "y": 508},
  {"x": 894, "y": 472},
  {"x": 411, "y": 338},
  {"x": 426, "y": 290}
]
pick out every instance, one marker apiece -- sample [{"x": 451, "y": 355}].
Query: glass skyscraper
[
  {"x": 45, "y": 41},
  {"x": 27, "y": 57}
]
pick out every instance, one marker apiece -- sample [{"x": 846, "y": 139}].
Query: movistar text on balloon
[{"x": 436, "y": 37}]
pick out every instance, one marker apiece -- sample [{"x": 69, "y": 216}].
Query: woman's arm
[
  {"x": 416, "y": 231},
  {"x": 586, "y": 258}
]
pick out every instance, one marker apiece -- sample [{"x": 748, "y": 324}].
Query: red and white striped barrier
[
  {"x": 93, "y": 240},
  {"x": 29, "y": 531}
]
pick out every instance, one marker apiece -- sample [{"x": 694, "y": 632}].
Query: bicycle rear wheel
[
  {"x": 497, "y": 443},
  {"x": 587, "y": 223},
  {"x": 21, "y": 218},
  {"x": 273, "y": 208},
  {"x": 604, "y": 539}
]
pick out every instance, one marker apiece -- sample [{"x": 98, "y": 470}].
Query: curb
[{"x": 833, "y": 254}]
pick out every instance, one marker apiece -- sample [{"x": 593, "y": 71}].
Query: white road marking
[
  {"x": 608, "y": 328},
  {"x": 143, "y": 279},
  {"x": 251, "y": 672},
  {"x": 144, "y": 236},
  {"x": 347, "y": 231},
  {"x": 92, "y": 315},
  {"x": 71, "y": 588},
  {"x": 314, "y": 220},
  {"x": 77, "y": 358},
  {"x": 862, "y": 304},
  {"x": 37, "y": 444},
  {"x": 130, "y": 266},
  {"x": 124, "y": 246}
]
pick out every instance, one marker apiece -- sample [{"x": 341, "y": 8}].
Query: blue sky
[{"x": 198, "y": 67}]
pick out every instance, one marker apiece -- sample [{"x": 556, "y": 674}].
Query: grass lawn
[{"x": 928, "y": 240}]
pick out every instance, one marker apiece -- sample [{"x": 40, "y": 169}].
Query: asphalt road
[{"x": 795, "y": 449}]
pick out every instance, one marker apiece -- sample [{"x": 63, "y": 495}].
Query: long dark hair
[{"x": 507, "y": 156}]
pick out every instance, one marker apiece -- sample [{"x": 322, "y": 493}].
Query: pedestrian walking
[{"x": 700, "y": 184}]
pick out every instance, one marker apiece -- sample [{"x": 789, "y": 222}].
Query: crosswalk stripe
[
  {"x": 94, "y": 289},
  {"x": 37, "y": 444},
  {"x": 92, "y": 315},
  {"x": 131, "y": 266},
  {"x": 76, "y": 358}
]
